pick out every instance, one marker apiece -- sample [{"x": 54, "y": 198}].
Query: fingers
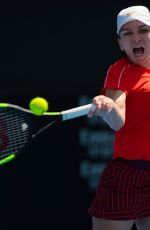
[{"x": 101, "y": 105}]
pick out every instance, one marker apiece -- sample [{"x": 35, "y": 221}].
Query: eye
[
  {"x": 126, "y": 33},
  {"x": 144, "y": 30}
]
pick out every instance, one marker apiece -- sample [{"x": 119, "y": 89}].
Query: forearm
[{"x": 114, "y": 118}]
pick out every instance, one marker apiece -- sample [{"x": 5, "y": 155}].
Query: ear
[{"x": 120, "y": 44}]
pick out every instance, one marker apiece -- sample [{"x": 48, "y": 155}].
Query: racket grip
[{"x": 76, "y": 112}]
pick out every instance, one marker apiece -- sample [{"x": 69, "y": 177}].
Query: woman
[{"x": 123, "y": 192}]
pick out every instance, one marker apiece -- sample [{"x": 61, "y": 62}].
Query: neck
[{"x": 142, "y": 63}]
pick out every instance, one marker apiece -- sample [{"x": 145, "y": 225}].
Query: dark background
[{"x": 59, "y": 50}]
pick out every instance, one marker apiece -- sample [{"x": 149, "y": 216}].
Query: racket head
[
  {"x": 19, "y": 127},
  {"x": 15, "y": 132}
]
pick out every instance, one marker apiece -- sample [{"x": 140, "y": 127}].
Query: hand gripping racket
[{"x": 17, "y": 127}]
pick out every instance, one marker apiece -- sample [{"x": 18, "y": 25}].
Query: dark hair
[{"x": 122, "y": 54}]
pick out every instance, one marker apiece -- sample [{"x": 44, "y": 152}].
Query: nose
[{"x": 136, "y": 37}]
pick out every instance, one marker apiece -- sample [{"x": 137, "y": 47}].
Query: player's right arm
[{"x": 110, "y": 107}]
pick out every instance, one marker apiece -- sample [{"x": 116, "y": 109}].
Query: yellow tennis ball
[{"x": 38, "y": 105}]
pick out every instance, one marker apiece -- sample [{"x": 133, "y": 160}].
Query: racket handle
[{"x": 76, "y": 112}]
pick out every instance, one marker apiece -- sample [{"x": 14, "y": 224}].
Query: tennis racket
[{"x": 17, "y": 128}]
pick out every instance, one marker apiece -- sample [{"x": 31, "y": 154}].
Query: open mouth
[{"x": 138, "y": 51}]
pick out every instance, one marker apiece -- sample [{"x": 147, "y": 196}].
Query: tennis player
[{"x": 123, "y": 192}]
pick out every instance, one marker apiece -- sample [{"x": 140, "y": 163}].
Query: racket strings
[{"x": 14, "y": 131}]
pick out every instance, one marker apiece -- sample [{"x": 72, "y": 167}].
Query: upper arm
[{"x": 119, "y": 97}]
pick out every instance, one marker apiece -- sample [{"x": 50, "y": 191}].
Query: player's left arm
[{"x": 111, "y": 107}]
